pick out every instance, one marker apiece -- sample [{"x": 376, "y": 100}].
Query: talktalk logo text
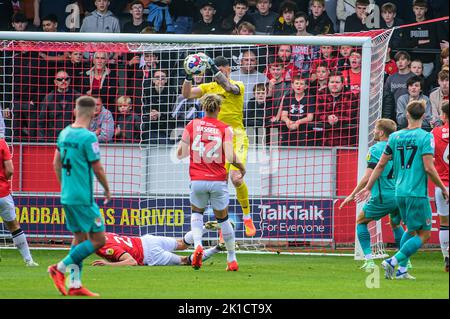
[{"x": 291, "y": 212}]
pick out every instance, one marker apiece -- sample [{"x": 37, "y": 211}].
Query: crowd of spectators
[{"x": 309, "y": 94}]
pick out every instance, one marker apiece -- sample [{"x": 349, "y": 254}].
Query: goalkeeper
[{"x": 232, "y": 114}]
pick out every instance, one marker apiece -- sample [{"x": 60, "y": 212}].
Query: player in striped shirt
[
  {"x": 382, "y": 201},
  {"x": 441, "y": 160},
  {"x": 412, "y": 151}
]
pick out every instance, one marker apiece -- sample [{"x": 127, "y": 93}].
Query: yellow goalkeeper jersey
[{"x": 232, "y": 110}]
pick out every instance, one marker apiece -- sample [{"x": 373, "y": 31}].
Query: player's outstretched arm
[
  {"x": 221, "y": 78},
  {"x": 124, "y": 260},
  {"x": 188, "y": 91},
  {"x": 362, "y": 183},
  {"x": 430, "y": 169},
  {"x": 57, "y": 166},
  {"x": 101, "y": 176},
  {"x": 365, "y": 192}
]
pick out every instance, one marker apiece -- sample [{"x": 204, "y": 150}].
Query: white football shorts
[
  {"x": 214, "y": 191},
  {"x": 158, "y": 251},
  {"x": 7, "y": 208},
  {"x": 441, "y": 204}
]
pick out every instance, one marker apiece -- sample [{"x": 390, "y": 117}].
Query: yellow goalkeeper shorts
[{"x": 240, "y": 146}]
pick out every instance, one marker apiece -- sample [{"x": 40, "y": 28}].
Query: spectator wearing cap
[
  {"x": 159, "y": 16},
  {"x": 137, "y": 23},
  {"x": 264, "y": 17},
  {"x": 20, "y": 23},
  {"x": 231, "y": 23},
  {"x": 6, "y": 12},
  {"x": 208, "y": 24},
  {"x": 101, "y": 20}
]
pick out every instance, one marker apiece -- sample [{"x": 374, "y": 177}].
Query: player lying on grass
[
  {"x": 149, "y": 250},
  {"x": 412, "y": 151},
  {"x": 382, "y": 201},
  {"x": 209, "y": 143}
]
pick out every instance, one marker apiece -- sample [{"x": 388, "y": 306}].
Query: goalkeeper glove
[
  {"x": 213, "y": 66},
  {"x": 189, "y": 77}
]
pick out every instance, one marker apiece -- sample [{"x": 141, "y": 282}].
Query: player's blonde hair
[
  {"x": 386, "y": 125},
  {"x": 211, "y": 102}
]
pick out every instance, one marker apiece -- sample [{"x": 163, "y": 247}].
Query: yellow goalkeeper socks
[{"x": 242, "y": 197}]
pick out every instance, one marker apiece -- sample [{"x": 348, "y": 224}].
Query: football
[{"x": 196, "y": 63}]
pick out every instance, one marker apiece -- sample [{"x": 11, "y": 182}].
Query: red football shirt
[
  {"x": 117, "y": 245},
  {"x": 441, "y": 152},
  {"x": 206, "y": 137},
  {"x": 5, "y": 155},
  {"x": 352, "y": 80}
]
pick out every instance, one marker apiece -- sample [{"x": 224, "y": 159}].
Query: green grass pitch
[{"x": 259, "y": 277}]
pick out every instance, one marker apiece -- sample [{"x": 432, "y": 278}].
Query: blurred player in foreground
[
  {"x": 7, "y": 207},
  {"x": 412, "y": 151},
  {"x": 382, "y": 200},
  {"x": 231, "y": 114},
  {"x": 77, "y": 159},
  {"x": 441, "y": 160},
  {"x": 209, "y": 142},
  {"x": 149, "y": 250}
]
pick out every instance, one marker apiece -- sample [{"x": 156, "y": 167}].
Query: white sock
[
  {"x": 210, "y": 252},
  {"x": 402, "y": 269},
  {"x": 394, "y": 261},
  {"x": 189, "y": 236},
  {"x": 61, "y": 267},
  {"x": 197, "y": 228},
  {"x": 20, "y": 241},
  {"x": 443, "y": 239},
  {"x": 228, "y": 237}
]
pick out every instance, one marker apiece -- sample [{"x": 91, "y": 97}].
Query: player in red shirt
[
  {"x": 148, "y": 250},
  {"x": 209, "y": 142},
  {"x": 441, "y": 160},
  {"x": 7, "y": 207}
]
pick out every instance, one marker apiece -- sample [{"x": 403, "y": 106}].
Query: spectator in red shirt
[
  {"x": 337, "y": 112},
  {"x": 352, "y": 76}
]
